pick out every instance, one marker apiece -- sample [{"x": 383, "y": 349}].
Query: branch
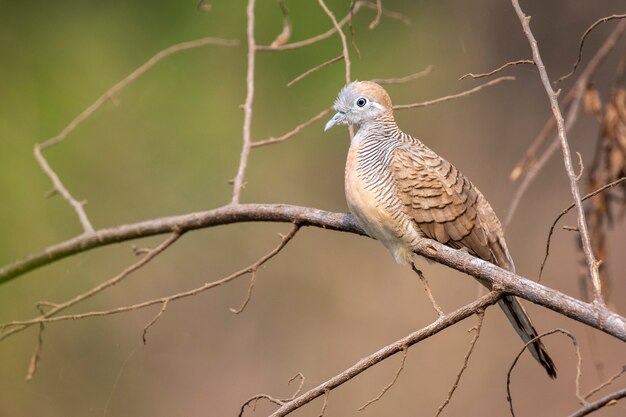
[
  {"x": 398, "y": 346},
  {"x": 590, "y": 314},
  {"x": 247, "y": 107},
  {"x": 596, "y": 405},
  {"x": 500, "y": 68},
  {"x": 574, "y": 96},
  {"x": 592, "y": 263},
  {"x": 342, "y": 36},
  {"x": 453, "y": 96},
  {"x": 582, "y": 42}
]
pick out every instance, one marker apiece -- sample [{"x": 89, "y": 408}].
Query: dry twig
[
  {"x": 592, "y": 263},
  {"x": 292, "y": 132},
  {"x": 389, "y": 350},
  {"x": 238, "y": 182},
  {"x": 316, "y": 68},
  {"x": 564, "y": 212},
  {"x": 404, "y": 79},
  {"x": 582, "y": 42},
  {"x": 391, "y": 384},
  {"x": 602, "y": 402},
  {"x": 530, "y": 342},
  {"x": 17, "y": 326},
  {"x": 606, "y": 383},
  {"x": 254, "y": 399},
  {"x": 476, "y": 329},
  {"x": 427, "y": 289},
  {"x": 453, "y": 96},
  {"x": 342, "y": 36},
  {"x": 495, "y": 71}
]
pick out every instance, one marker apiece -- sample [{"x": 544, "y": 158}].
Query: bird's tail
[
  {"x": 522, "y": 324},
  {"x": 517, "y": 315}
]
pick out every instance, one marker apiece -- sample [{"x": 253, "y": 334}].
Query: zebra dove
[{"x": 400, "y": 192}]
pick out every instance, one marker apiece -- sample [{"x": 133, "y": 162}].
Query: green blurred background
[{"x": 170, "y": 142}]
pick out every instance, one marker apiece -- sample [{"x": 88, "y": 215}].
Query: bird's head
[{"x": 360, "y": 102}]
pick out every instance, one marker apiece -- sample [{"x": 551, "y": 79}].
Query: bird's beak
[{"x": 337, "y": 118}]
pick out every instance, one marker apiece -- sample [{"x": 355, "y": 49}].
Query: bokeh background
[{"x": 170, "y": 142}]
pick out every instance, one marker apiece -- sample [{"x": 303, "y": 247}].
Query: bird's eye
[{"x": 361, "y": 101}]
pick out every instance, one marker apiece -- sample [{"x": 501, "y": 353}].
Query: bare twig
[
  {"x": 113, "y": 91},
  {"x": 271, "y": 399},
  {"x": 292, "y": 132},
  {"x": 572, "y": 99},
  {"x": 60, "y": 188},
  {"x": 453, "y": 96},
  {"x": 427, "y": 289},
  {"x": 153, "y": 321},
  {"x": 247, "y": 107},
  {"x": 602, "y": 402},
  {"x": 306, "y": 42},
  {"x": 582, "y": 42},
  {"x": 36, "y": 356},
  {"x": 283, "y": 37},
  {"x": 476, "y": 329},
  {"x": 409, "y": 77},
  {"x": 15, "y": 327},
  {"x": 342, "y": 36},
  {"x": 606, "y": 383},
  {"x": 386, "y": 387},
  {"x": 325, "y": 404},
  {"x": 564, "y": 212},
  {"x": 592, "y": 263},
  {"x": 599, "y": 318},
  {"x": 316, "y": 68},
  {"x": 379, "y": 13},
  {"x": 530, "y": 342},
  {"x": 500, "y": 68},
  {"x": 389, "y": 350}
]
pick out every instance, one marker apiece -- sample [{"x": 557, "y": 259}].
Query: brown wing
[{"x": 446, "y": 206}]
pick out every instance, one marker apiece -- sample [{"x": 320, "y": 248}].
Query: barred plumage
[{"x": 400, "y": 192}]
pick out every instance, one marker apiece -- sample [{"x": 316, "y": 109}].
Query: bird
[{"x": 400, "y": 191}]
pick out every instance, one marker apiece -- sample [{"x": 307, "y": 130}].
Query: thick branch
[{"x": 595, "y": 316}]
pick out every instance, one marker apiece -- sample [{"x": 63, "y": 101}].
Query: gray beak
[{"x": 337, "y": 118}]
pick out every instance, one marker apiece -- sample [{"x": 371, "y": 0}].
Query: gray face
[{"x": 354, "y": 107}]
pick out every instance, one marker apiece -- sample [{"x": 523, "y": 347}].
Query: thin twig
[
  {"x": 592, "y": 263},
  {"x": 476, "y": 329},
  {"x": 283, "y": 37},
  {"x": 292, "y": 132},
  {"x": 500, "y": 68},
  {"x": 582, "y": 42},
  {"x": 379, "y": 13},
  {"x": 310, "y": 41},
  {"x": 153, "y": 321},
  {"x": 530, "y": 342},
  {"x": 453, "y": 96},
  {"x": 325, "y": 404},
  {"x": 271, "y": 399},
  {"x": 36, "y": 356},
  {"x": 404, "y": 79},
  {"x": 606, "y": 383},
  {"x": 21, "y": 325},
  {"x": 391, "y": 384},
  {"x": 316, "y": 68},
  {"x": 564, "y": 212},
  {"x": 113, "y": 91},
  {"x": 342, "y": 36},
  {"x": 238, "y": 182},
  {"x": 427, "y": 289},
  {"x": 602, "y": 402},
  {"x": 60, "y": 188},
  {"x": 18, "y": 326}
]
